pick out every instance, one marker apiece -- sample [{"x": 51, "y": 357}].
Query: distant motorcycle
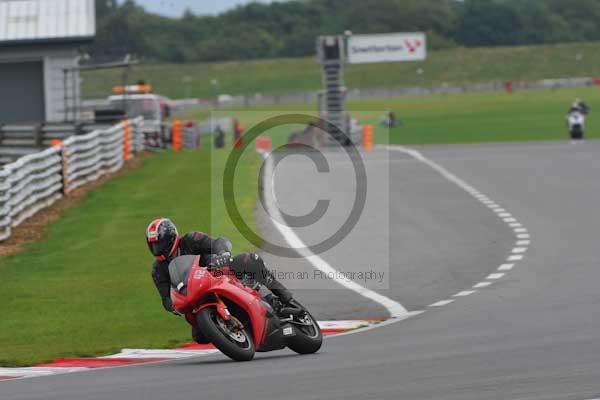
[
  {"x": 576, "y": 124},
  {"x": 234, "y": 317}
]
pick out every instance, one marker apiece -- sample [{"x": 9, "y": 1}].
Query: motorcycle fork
[
  {"x": 222, "y": 309},
  {"x": 219, "y": 305}
]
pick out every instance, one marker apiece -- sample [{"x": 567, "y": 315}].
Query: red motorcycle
[{"x": 234, "y": 317}]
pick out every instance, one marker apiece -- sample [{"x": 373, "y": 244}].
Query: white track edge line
[
  {"x": 395, "y": 309},
  {"x": 517, "y": 228}
]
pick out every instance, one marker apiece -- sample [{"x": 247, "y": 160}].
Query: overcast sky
[{"x": 176, "y": 7}]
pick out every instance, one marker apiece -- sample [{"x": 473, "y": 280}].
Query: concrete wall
[{"x": 55, "y": 58}]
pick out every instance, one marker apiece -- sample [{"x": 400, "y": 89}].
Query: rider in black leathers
[{"x": 165, "y": 244}]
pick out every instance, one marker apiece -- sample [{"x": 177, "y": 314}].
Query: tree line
[{"x": 289, "y": 28}]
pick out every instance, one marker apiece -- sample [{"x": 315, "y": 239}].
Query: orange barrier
[
  {"x": 59, "y": 143},
  {"x": 176, "y": 136},
  {"x": 264, "y": 143},
  {"x": 126, "y": 140},
  {"x": 368, "y": 137}
]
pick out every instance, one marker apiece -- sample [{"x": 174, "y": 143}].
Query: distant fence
[
  {"x": 381, "y": 93},
  {"x": 209, "y": 126},
  {"x": 549, "y": 84},
  {"x": 38, "y": 180},
  {"x": 17, "y": 140}
]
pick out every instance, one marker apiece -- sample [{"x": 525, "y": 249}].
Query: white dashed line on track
[
  {"x": 506, "y": 267},
  {"x": 464, "y": 293},
  {"x": 522, "y": 235},
  {"x": 441, "y": 303}
]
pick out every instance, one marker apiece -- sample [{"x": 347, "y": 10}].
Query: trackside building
[{"x": 39, "y": 53}]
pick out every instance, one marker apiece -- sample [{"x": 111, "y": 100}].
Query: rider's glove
[{"x": 220, "y": 261}]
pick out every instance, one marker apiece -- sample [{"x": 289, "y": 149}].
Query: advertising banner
[{"x": 391, "y": 47}]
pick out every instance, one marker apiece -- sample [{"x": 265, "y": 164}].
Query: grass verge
[
  {"x": 529, "y": 115},
  {"x": 532, "y": 115},
  {"x": 452, "y": 66},
  {"x": 86, "y": 289}
]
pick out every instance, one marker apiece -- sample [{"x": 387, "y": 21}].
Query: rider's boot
[
  {"x": 282, "y": 293},
  {"x": 285, "y": 298}
]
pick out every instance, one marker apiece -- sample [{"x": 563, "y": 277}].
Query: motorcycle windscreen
[{"x": 179, "y": 271}]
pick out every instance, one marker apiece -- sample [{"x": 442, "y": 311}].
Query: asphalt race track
[{"x": 534, "y": 334}]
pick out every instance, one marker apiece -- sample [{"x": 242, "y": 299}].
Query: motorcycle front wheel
[{"x": 230, "y": 337}]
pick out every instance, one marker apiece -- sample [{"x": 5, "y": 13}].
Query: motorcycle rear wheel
[
  {"x": 236, "y": 344},
  {"x": 308, "y": 339}
]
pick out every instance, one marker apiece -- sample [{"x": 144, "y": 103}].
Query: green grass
[
  {"x": 453, "y": 66},
  {"x": 483, "y": 117},
  {"x": 528, "y": 115},
  {"x": 86, "y": 289}
]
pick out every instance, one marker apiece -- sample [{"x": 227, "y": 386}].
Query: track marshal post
[{"x": 335, "y": 52}]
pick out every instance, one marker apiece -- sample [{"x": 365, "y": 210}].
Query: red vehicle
[{"x": 234, "y": 317}]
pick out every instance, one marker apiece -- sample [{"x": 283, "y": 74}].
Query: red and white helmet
[{"x": 162, "y": 238}]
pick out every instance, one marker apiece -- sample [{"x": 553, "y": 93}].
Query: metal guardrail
[
  {"x": 187, "y": 105},
  {"x": 138, "y": 137},
  {"x": 18, "y": 140},
  {"x": 38, "y": 180}
]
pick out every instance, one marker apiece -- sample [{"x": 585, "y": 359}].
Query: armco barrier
[
  {"x": 380, "y": 93},
  {"x": 38, "y": 180},
  {"x": 18, "y": 140},
  {"x": 28, "y": 185}
]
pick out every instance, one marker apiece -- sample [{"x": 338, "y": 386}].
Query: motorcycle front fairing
[
  {"x": 188, "y": 283},
  {"x": 191, "y": 283}
]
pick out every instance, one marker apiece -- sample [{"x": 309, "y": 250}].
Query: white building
[{"x": 39, "y": 49}]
